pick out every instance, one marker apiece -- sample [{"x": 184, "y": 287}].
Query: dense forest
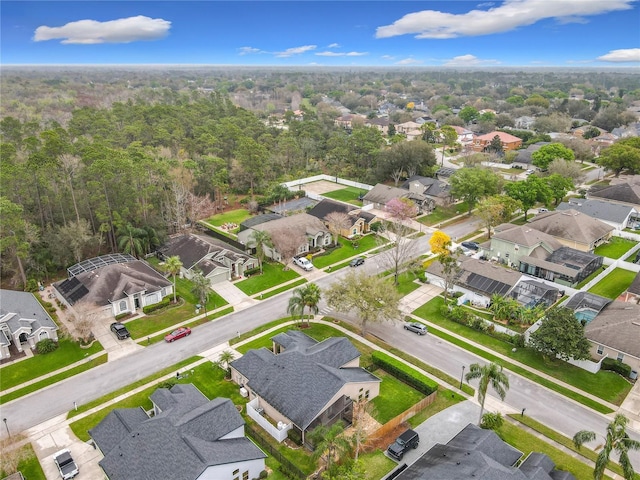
[{"x": 97, "y": 160}]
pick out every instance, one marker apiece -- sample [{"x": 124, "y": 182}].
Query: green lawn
[
  {"x": 604, "y": 384},
  {"x": 232, "y": 216},
  {"x": 348, "y": 194},
  {"x": 273, "y": 275},
  {"x": 590, "y": 277},
  {"x": 614, "y": 284},
  {"x": 284, "y": 288},
  {"x": 442, "y": 214},
  {"x": 195, "y": 323},
  {"x": 527, "y": 443},
  {"x": 346, "y": 250},
  {"x": 376, "y": 464},
  {"x": 615, "y": 248},
  {"x": 407, "y": 283},
  {"x": 395, "y": 397},
  {"x": 29, "y": 465},
  {"x": 68, "y": 352}
]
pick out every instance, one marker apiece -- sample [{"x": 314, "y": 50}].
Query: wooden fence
[{"x": 404, "y": 416}]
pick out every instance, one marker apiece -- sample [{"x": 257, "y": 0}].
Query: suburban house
[
  {"x": 188, "y": 438},
  {"x": 432, "y": 188},
  {"x": 508, "y": 141},
  {"x": 113, "y": 284},
  {"x": 381, "y": 194},
  {"x": 524, "y": 157},
  {"x": 482, "y": 454},
  {"x": 360, "y": 220},
  {"x": 408, "y": 128},
  {"x": 465, "y": 136},
  {"x": 347, "y": 120},
  {"x": 381, "y": 123},
  {"x": 213, "y": 258},
  {"x": 566, "y": 266},
  {"x": 573, "y": 229},
  {"x": 478, "y": 280},
  {"x": 302, "y": 384},
  {"x": 23, "y": 323},
  {"x": 511, "y": 242},
  {"x": 615, "y": 333},
  {"x": 632, "y": 293},
  {"x": 617, "y": 215},
  {"x": 310, "y": 229},
  {"x": 627, "y": 193}
]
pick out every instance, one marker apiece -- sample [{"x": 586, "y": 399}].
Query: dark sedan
[
  {"x": 356, "y": 262},
  {"x": 471, "y": 245},
  {"x": 179, "y": 333}
]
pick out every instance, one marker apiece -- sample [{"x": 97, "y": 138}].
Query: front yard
[
  {"x": 273, "y": 275},
  {"x": 615, "y": 248},
  {"x": 442, "y": 214},
  {"x": 614, "y": 284},
  {"x": 347, "y": 249}
]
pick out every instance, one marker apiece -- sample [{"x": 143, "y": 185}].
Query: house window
[
  {"x": 600, "y": 349},
  {"x": 355, "y": 231},
  {"x": 245, "y": 475},
  {"x": 123, "y": 305},
  {"x": 620, "y": 356},
  {"x": 366, "y": 395},
  {"x": 236, "y": 474},
  {"x": 42, "y": 335}
]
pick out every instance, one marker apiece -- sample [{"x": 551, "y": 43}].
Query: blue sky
[{"x": 563, "y": 33}]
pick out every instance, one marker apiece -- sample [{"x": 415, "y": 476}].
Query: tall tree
[
  {"x": 131, "y": 240},
  {"x": 559, "y": 186},
  {"x": 261, "y": 240},
  {"x": 371, "y": 296},
  {"x": 287, "y": 244},
  {"x": 440, "y": 243},
  {"x": 252, "y": 157},
  {"x": 617, "y": 440},
  {"x": 172, "y": 266},
  {"x": 490, "y": 374},
  {"x": 496, "y": 209},
  {"x": 201, "y": 287},
  {"x": 307, "y": 296},
  {"x": 624, "y": 155},
  {"x": 398, "y": 230},
  {"x": 13, "y": 235},
  {"x": 337, "y": 222},
  {"x": 561, "y": 335},
  {"x": 472, "y": 184},
  {"x": 533, "y": 189},
  {"x": 546, "y": 154}
]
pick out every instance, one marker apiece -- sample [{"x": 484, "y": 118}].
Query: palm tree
[
  {"x": 488, "y": 374},
  {"x": 296, "y": 304},
  {"x": 201, "y": 287},
  {"x": 302, "y": 298},
  {"x": 329, "y": 440},
  {"x": 131, "y": 240},
  {"x": 172, "y": 266},
  {"x": 150, "y": 240},
  {"x": 262, "y": 241},
  {"x": 226, "y": 357},
  {"x": 617, "y": 439}
]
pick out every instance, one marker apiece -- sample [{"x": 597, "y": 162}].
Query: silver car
[{"x": 416, "y": 327}]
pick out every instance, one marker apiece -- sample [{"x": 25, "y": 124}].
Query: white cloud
[
  {"x": 469, "y": 61},
  {"x": 295, "y": 51},
  {"x": 122, "y": 30},
  {"x": 622, "y": 55},
  {"x": 333, "y": 45},
  {"x": 510, "y": 15},
  {"x": 249, "y": 50},
  {"x": 408, "y": 61},
  {"x": 388, "y": 57},
  {"x": 342, "y": 54}
]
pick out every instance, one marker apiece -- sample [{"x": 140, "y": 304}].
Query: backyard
[
  {"x": 348, "y": 195},
  {"x": 615, "y": 248},
  {"x": 231, "y": 217},
  {"x": 273, "y": 275},
  {"x": 614, "y": 284}
]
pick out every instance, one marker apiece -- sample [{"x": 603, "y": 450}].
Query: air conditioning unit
[{"x": 244, "y": 392}]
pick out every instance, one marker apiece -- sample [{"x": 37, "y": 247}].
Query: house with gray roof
[
  {"x": 215, "y": 259},
  {"x": 615, "y": 333},
  {"x": 113, "y": 284},
  {"x": 524, "y": 157},
  {"x": 23, "y": 323},
  {"x": 632, "y": 293},
  {"x": 573, "y": 229},
  {"x": 382, "y": 194},
  {"x": 566, "y": 266},
  {"x": 432, "y": 188},
  {"x": 617, "y": 215},
  {"x": 188, "y": 438},
  {"x": 627, "y": 193},
  {"x": 478, "y": 453},
  {"x": 301, "y": 383},
  {"x": 360, "y": 221}
]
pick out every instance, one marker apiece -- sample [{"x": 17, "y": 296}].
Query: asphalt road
[{"x": 545, "y": 406}]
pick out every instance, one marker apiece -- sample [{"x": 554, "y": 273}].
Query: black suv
[
  {"x": 409, "y": 439},
  {"x": 120, "y": 330}
]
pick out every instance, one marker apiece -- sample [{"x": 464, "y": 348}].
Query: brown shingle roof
[
  {"x": 571, "y": 225},
  {"x": 617, "y": 326}
]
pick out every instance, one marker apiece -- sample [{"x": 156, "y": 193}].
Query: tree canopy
[
  {"x": 472, "y": 184},
  {"x": 561, "y": 335}
]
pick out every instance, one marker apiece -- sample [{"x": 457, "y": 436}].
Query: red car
[{"x": 179, "y": 333}]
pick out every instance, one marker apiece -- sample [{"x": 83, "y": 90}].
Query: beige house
[
  {"x": 573, "y": 229},
  {"x": 301, "y": 384},
  {"x": 359, "y": 220}
]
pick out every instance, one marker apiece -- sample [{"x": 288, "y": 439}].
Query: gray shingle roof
[
  {"x": 178, "y": 443},
  {"x": 327, "y": 206},
  {"x": 382, "y": 194},
  {"x": 300, "y": 381},
  {"x": 20, "y": 306},
  {"x": 635, "y": 285},
  {"x": 526, "y": 235},
  {"x": 617, "y": 326},
  {"x": 623, "y": 193},
  {"x": 599, "y": 209}
]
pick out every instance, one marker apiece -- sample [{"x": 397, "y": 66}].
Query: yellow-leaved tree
[{"x": 440, "y": 243}]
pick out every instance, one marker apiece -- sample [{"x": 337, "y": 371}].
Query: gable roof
[
  {"x": 432, "y": 186},
  {"x": 526, "y": 236},
  {"x": 192, "y": 250},
  {"x": 504, "y": 137},
  {"x": 327, "y": 206},
  {"x": 382, "y": 194},
  {"x": 617, "y": 326},
  {"x": 301, "y": 222},
  {"x": 190, "y": 429},
  {"x": 623, "y": 193},
  {"x": 301, "y": 380},
  {"x": 20, "y": 309},
  {"x": 571, "y": 225},
  {"x": 599, "y": 209},
  {"x": 111, "y": 283}
]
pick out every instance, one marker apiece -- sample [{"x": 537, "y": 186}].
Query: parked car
[
  {"x": 543, "y": 210},
  {"x": 471, "y": 245},
  {"x": 120, "y": 330},
  {"x": 179, "y": 333},
  {"x": 356, "y": 262},
  {"x": 66, "y": 466},
  {"x": 529, "y": 171},
  {"x": 409, "y": 439},
  {"x": 303, "y": 263},
  {"x": 416, "y": 327}
]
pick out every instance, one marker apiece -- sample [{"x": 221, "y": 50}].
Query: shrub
[
  {"x": 403, "y": 372},
  {"x": 157, "y": 306},
  {"x": 263, "y": 474},
  {"x": 46, "y": 346},
  {"x": 616, "y": 366},
  {"x": 491, "y": 421},
  {"x": 295, "y": 436},
  {"x": 168, "y": 383},
  {"x": 31, "y": 286},
  {"x": 251, "y": 271}
]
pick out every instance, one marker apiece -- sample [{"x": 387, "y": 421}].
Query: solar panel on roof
[{"x": 487, "y": 285}]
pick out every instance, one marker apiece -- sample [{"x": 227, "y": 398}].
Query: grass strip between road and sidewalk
[
  {"x": 53, "y": 379},
  {"x": 521, "y": 371},
  {"x": 110, "y": 396},
  {"x": 195, "y": 323},
  {"x": 565, "y": 441}
]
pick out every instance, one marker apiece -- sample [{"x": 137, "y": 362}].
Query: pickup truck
[
  {"x": 66, "y": 466},
  {"x": 404, "y": 442},
  {"x": 303, "y": 263}
]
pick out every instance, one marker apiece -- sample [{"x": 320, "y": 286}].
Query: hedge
[
  {"x": 161, "y": 304},
  {"x": 616, "y": 366},
  {"x": 403, "y": 372}
]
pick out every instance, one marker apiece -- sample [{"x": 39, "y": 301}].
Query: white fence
[
  {"x": 278, "y": 433},
  {"x": 296, "y": 184}
]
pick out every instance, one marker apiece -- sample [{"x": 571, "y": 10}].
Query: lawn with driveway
[
  {"x": 273, "y": 274},
  {"x": 347, "y": 249}
]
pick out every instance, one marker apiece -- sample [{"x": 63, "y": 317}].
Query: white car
[{"x": 303, "y": 263}]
